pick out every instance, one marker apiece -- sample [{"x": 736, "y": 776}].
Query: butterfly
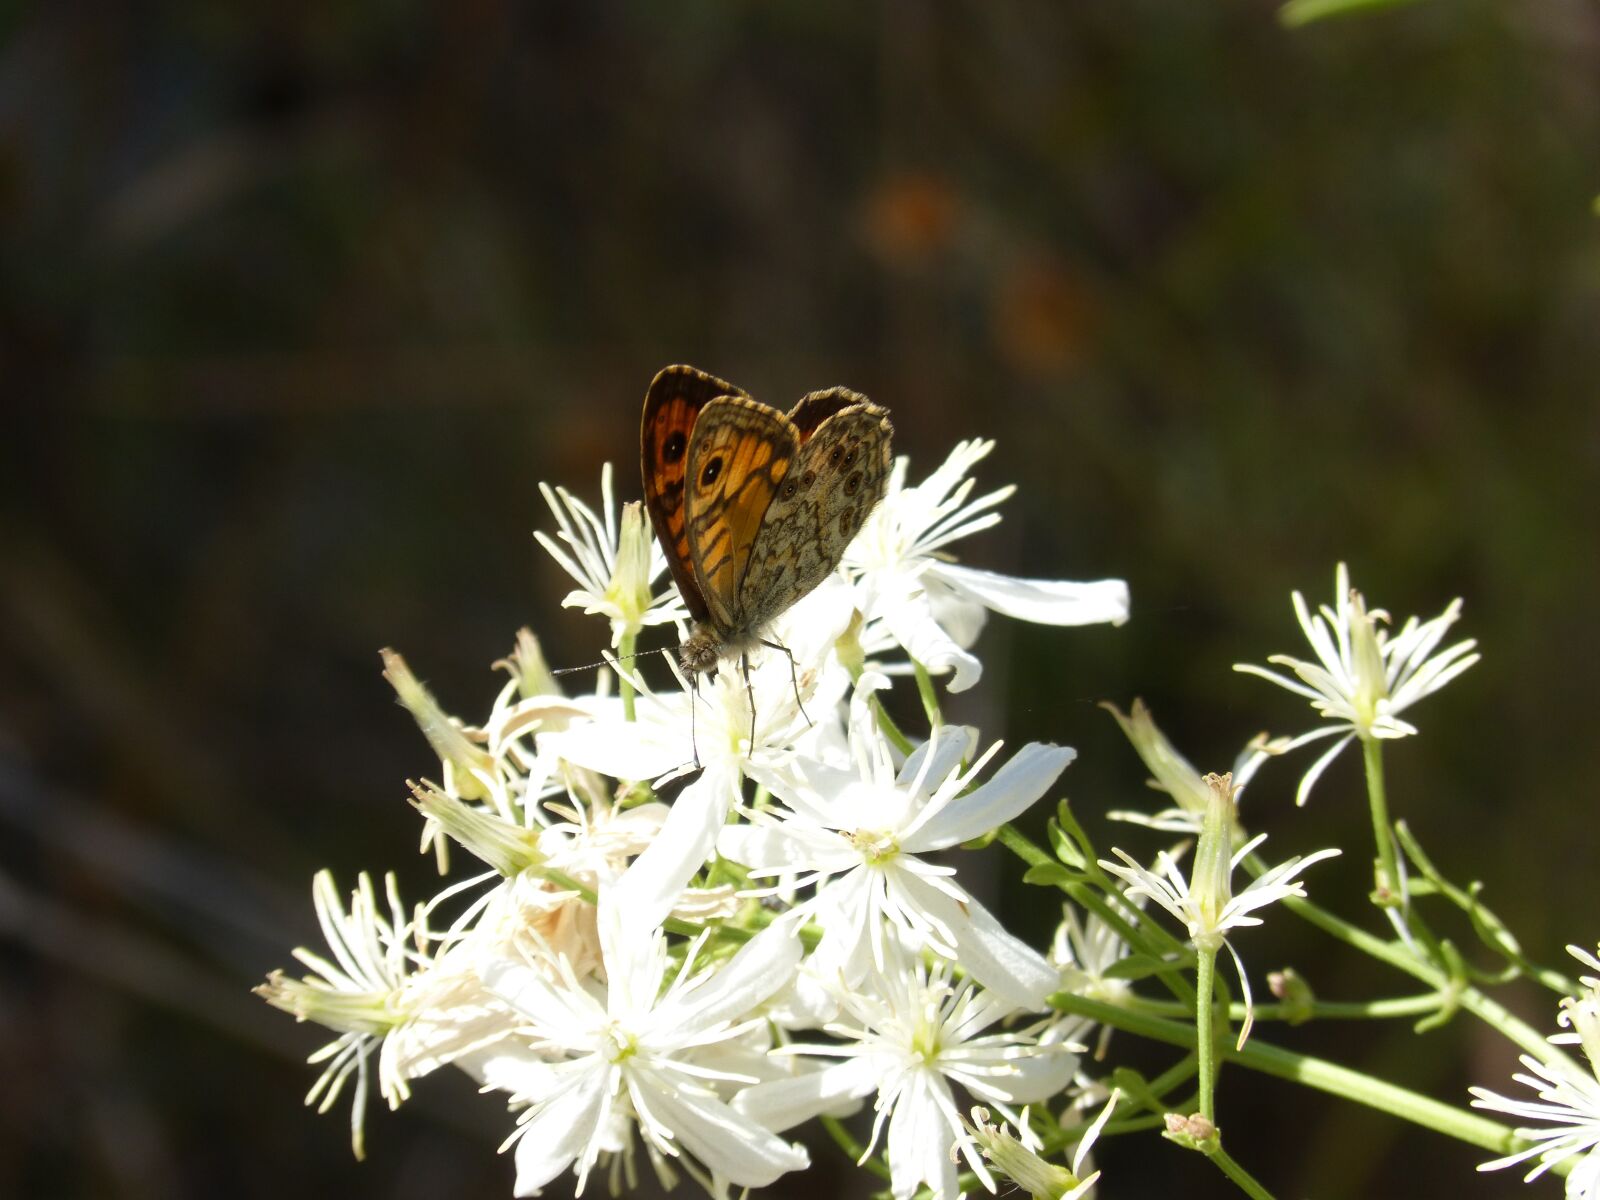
[{"x": 754, "y": 508}]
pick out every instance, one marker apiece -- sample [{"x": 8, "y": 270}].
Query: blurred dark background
[{"x": 299, "y": 303}]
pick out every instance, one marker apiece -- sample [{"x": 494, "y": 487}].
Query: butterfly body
[{"x": 753, "y": 507}]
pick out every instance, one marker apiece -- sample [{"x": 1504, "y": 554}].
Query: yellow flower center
[{"x": 876, "y": 846}]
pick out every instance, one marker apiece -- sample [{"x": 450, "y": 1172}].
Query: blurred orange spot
[
  {"x": 1040, "y": 318},
  {"x": 910, "y": 217}
]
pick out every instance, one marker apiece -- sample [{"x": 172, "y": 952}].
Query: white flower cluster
[
  {"x": 1568, "y": 1103},
  {"x": 783, "y": 941}
]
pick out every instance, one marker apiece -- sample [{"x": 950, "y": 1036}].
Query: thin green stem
[
  {"x": 846, "y": 1142},
  {"x": 890, "y": 730},
  {"x": 625, "y": 651},
  {"x": 1034, "y": 855},
  {"x": 1336, "y": 1010},
  {"x": 1247, "y": 1182},
  {"x": 1206, "y": 1042},
  {"x": 1398, "y": 956},
  {"x": 1317, "y": 1073},
  {"x": 1388, "y": 876},
  {"x": 930, "y": 697}
]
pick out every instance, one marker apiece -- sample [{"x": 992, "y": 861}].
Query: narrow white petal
[
  {"x": 1042, "y": 601},
  {"x": 784, "y": 1103},
  {"x": 763, "y": 967},
  {"x": 652, "y": 884},
  {"x": 948, "y": 747},
  {"x": 621, "y": 749},
  {"x": 1031, "y": 1078},
  {"x": 790, "y": 846},
  {"x": 558, "y": 1132},
  {"x": 1003, "y": 963},
  {"x": 847, "y": 911},
  {"x": 1318, "y": 767},
  {"x": 919, "y": 1143},
  {"x": 1030, "y": 773},
  {"x": 731, "y": 1143},
  {"x": 911, "y": 621}
]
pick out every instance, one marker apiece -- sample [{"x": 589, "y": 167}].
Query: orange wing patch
[
  {"x": 673, "y": 402},
  {"x": 738, "y": 456}
]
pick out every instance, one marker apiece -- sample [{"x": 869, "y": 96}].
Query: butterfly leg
[
  {"x": 794, "y": 678},
  {"x": 694, "y": 703},
  {"x": 750, "y": 691}
]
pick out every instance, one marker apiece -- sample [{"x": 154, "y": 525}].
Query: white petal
[
  {"x": 1042, "y": 601},
  {"x": 958, "y": 615},
  {"x": 1030, "y": 773},
  {"x": 652, "y": 884},
  {"x": 558, "y": 1132},
  {"x": 919, "y": 1143},
  {"x": 1035, "y": 1078},
  {"x": 763, "y": 967},
  {"x": 621, "y": 749},
  {"x": 911, "y": 620},
  {"x": 784, "y": 1103},
  {"x": 790, "y": 846},
  {"x": 845, "y": 910},
  {"x": 1317, "y": 768},
  {"x": 1004, "y": 964},
  {"x": 948, "y": 746},
  {"x": 731, "y": 1143}
]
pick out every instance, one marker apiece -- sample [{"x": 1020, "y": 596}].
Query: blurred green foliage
[{"x": 299, "y": 303}]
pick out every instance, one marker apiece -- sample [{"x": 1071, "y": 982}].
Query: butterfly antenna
[{"x": 606, "y": 662}]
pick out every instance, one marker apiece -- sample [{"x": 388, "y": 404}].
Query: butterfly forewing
[
  {"x": 738, "y": 456},
  {"x": 671, "y": 405}
]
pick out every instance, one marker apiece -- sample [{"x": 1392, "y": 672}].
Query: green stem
[
  {"x": 1337, "y": 1010},
  {"x": 1388, "y": 877},
  {"x": 1035, "y": 855},
  {"x": 625, "y": 651},
  {"x": 1206, "y": 1042},
  {"x": 1248, "y": 1183},
  {"x": 843, "y": 1139},
  {"x": 930, "y": 698},
  {"x": 1491, "y": 1012},
  {"x": 890, "y": 730},
  {"x": 1315, "y": 1073}
]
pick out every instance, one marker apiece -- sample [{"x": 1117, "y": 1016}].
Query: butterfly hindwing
[
  {"x": 671, "y": 405},
  {"x": 837, "y": 479},
  {"x": 738, "y": 456}
]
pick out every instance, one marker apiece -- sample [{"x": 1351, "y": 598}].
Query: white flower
[
  {"x": 710, "y": 726},
  {"x": 1207, "y": 904},
  {"x": 1015, "y": 1159},
  {"x": 860, "y": 834},
  {"x": 911, "y": 1034},
  {"x": 935, "y": 608},
  {"x": 1581, "y": 1014},
  {"x": 1085, "y": 951},
  {"x": 615, "y": 563},
  {"x": 469, "y": 769},
  {"x": 1364, "y": 679},
  {"x": 1172, "y": 773},
  {"x": 1569, "y": 1109},
  {"x": 591, "y": 1060},
  {"x": 361, "y": 993}
]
